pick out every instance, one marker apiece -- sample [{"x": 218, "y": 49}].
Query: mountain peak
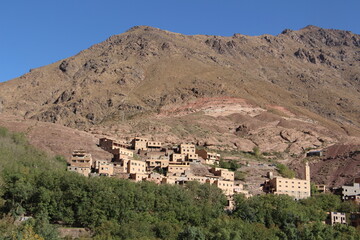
[
  {"x": 311, "y": 28},
  {"x": 143, "y": 28}
]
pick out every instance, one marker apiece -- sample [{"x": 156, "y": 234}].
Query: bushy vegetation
[
  {"x": 255, "y": 154},
  {"x": 256, "y": 151},
  {"x": 36, "y": 185},
  {"x": 285, "y": 171},
  {"x": 239, "y": 175},
  {"x": 231, "y": 165}
]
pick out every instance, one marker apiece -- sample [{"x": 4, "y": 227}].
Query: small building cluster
[
  {"x": 142, "y": 159},
  {"x": 146, "y": 160}
]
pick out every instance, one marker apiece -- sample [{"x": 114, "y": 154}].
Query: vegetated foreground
[{"x": 37, "y": 186}]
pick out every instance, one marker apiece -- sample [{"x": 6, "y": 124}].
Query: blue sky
[{"x": 39, "y": 32}]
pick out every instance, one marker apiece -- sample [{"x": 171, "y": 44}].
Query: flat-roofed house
[
  {"x": 103, "y": 167},
  {"x": 187, "y": 148},
  {"x": 121, "y": 154},
  {"x": 188, "y": 152},
  {"x": 136, "y": 166},
  {"x": 126, "y": 153},
  {"x": 336, "y": 218},
  {"x": 223, "y": 173},
  {"x": 139, "y": 143},
  {"x": 169, "y": 180},
  {"x": 199, "y": 179},
  {"x": 226, "y": 186},
  {"x": 209, "y": 157},
  {"x": 156, "y": 163},
  {"x": 321, "y": 188},
  {"x": 138, "y": 177},
  {"x": 177, "y": 157},
  {"x": 154, "y": 145},
  {"x": 349, "y": 192},
  {"x": 191, "y": 157},
  {"x": 177, "y": 169},
  {"x": 80, "y": 162},
  {"x": 106, "y": 144},
  {"x": 109, "y": 144}
]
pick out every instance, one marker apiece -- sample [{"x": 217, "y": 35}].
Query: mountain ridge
[{"x": 134, "y": 61}]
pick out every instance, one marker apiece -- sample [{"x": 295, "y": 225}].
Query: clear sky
[{"x": 35, "y": 33}]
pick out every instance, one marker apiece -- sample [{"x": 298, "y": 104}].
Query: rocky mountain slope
[
  {"x": 289, "y": 93},
  {"x": 146, "y": 69}
]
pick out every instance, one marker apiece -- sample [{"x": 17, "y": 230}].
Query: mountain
[
  {"x": 287, "y": 93},
  {"x": 146, "y": 69}
]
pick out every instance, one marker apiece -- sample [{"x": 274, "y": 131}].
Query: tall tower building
[{"x": 307, "y": 171}]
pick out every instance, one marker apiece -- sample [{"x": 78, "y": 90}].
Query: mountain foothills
[{"x": 288, "y": 93}]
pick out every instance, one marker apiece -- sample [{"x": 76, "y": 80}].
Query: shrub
[{"x": 285, "y": 171}]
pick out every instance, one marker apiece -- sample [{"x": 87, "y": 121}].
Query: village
[{"x": 142, "y": 159}]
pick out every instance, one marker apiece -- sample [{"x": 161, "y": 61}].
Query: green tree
[
  {"x": 191, "y": 233},
  {"x": 285, "y": 171}
]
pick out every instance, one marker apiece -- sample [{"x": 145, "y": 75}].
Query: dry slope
[{"x": 313, "y": 72}]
